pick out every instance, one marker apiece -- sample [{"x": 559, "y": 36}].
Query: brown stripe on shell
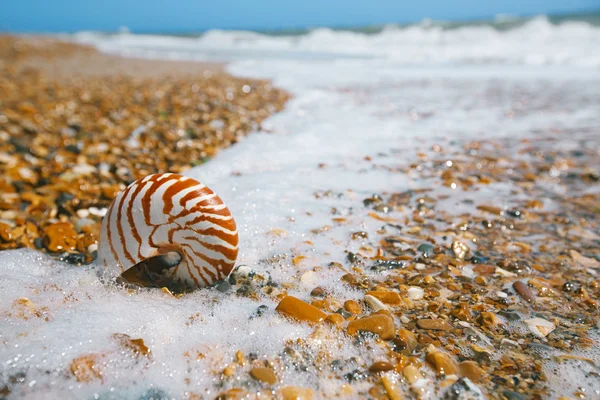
[
  {"x": 120, "y": 224},
  {"x": 107, "y": 219},
  {"x": 172, "y": 191},
  {"x": 139, "y": 187}
]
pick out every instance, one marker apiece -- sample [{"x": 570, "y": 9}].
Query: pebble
[
  {"x": 413, "y": 376},
  {"x": 350, "y": 279},
  {"x": 345, "y": 314},
  {"x": 5, "y": 232},
  {"x": 352, "y": 307},
  {"x": 463, "y": 389},
  {"x": 434, "y": 324},
  {"x": 393, "y": 393},
  {"x": 243, "y": 271},
  {"x": 426, "y": 249},
  {"x": 381, "y": 324},
  {"x": 415, "y": 293},
  {"x": 504, "y": 273},
  {"x": 540, "y": 327},
  {"x": 83, "y": 213},
  {"x": 98, "y": 212},
  {"x": 223, "y": 286},
  {"x": 318, "y": 292},
  {"x": 335, "y": 319},
  {"x": 300, "y": 310},
  {"x": 481, "y": 355},
  {"x": 386, "y": 297},
  {"x": 459, "y": 249},
  {"x": 61, "y": 236},
  {"x": 488, "y": 319},
  {"x": 83, "y": 222},
  {"x": 523, "y": 290},
  {"x": 510, "y": 395},
  {"x": 85, "y": 368},
  {"x": 462, "y": 312},
  {"x": 381, "y": 366},
  {"x": 441, "y": 362},
  {"x": 374, "y": 303},
  {"x": 73, "y": 258},
  {"x": 406, "y": 341},
  {"x": 263, "y": 374},
  {"x": 296, "y": 393},
  {"x": 471, "y": 370}
]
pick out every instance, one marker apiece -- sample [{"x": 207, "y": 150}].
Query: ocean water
[
  {"x": 363, "y": 105},
  {"x": 537, "y": 41}
]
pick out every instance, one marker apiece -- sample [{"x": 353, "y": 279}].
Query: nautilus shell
[{"x": 165, "y": 215}]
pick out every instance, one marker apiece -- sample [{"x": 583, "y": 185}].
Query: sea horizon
[{"x": 502, "y": 21}]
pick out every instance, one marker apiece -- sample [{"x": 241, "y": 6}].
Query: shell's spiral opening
[
  {"x": 154, "y": 273},
  {"x": 168, "y": 230}
]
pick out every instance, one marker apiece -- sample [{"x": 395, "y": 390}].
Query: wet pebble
[
  {"x": 405, "y": 341},
  {"x": 223, "y": 286},
  {"x": 296, "y": 393},
  {"x": 352, "y": 307},
  {"x": 300, "y": 310},
  {"x": 381, "y": 324},
  {"x": 82, "y": 223},
  {"x": 386, "y": 296},
  {"x": 434, "y": 324},
  {"x": 523, "y": 290},
  {"x": 74, "y": 258},
  {"x": 463, "y": 389},
  {"x": 381, "y": 366},
  {"x": 441, "y": 362},
  {"x": 540, "y": 327},
  {"x": 471, "y": 370},
  {"x": 263, "y": 374},
  {"x": 375, "y": 303},
  {"x": 61, "y": 236},
  {"x": 345, "y": 314},
  {"x": 426, "y": 249}
]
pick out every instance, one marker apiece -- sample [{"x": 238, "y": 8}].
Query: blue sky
[{"x": 194, "y": 15}]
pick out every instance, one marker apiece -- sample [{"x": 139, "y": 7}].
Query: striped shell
[{"x": 165, "y": 213}]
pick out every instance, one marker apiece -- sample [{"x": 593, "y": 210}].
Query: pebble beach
[
  {"x": 426, "y": 232},
  {"x": 79, "y": 126}
]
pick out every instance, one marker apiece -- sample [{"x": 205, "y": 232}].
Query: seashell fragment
[
  {"x": 540, "y": 327},
  {"x": 171, "y": 228}
]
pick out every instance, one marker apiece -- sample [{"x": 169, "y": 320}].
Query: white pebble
[
  {"x": 83, "y": 213},
  {"x": 243, "y": 271},
  {"x": 98, "y": 212},
  {"x": 415, "y": 293},
  {"x": 504, "y": 272},
  {"x": 25, "y": 173},
  {"x": 83, "y": 169},
  {"x": 375, "y": 303}
]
